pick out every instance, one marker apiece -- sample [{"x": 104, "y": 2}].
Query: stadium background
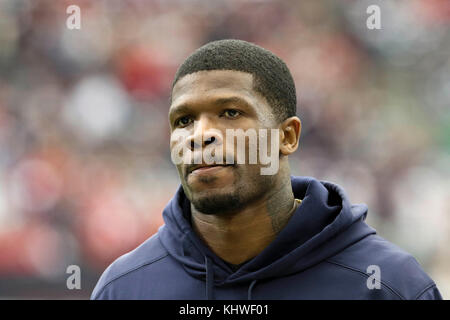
[{"x": 85, "y": 167}]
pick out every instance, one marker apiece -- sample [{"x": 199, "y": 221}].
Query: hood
[{"x": 324, "y": 224}]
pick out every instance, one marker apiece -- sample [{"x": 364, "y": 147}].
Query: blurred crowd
[{"x": 85, "y": 168}]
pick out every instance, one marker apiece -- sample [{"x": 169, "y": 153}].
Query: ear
[{"x": 290, "y": 130}]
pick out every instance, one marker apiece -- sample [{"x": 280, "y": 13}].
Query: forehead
[
  {"x": 215, "y": 83},
  {"x": 213, "y": 80}
]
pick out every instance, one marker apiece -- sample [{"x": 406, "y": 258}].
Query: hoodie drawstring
[
  {"x": 209, "y": 279},
  {"x": 250, "y": 288}
]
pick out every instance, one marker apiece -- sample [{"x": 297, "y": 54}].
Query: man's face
[{"x": 204, "y": 105}]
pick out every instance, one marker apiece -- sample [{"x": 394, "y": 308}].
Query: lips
[{"x": 205, "y": 167}]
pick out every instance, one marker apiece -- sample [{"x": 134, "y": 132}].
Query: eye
[
  {"x": 183, "y": 121},
  {"x": 232, "y": 113}
]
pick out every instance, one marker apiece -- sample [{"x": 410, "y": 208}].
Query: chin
[
  {"x": 213, "y": 192},
  {"x": 216, "y": 201},
  {"x": 209, "y": 194}
]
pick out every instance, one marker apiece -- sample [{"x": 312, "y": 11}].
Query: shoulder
[
  {"x": 399, "y": 272},
  {"x": 148, "y": 253}
]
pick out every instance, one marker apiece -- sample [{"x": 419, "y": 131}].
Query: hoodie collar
[{"x": 324, "y": 224}]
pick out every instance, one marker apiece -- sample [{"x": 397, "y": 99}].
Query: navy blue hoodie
[{"x": 326, "y": 251}]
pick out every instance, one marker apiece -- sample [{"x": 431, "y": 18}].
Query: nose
[{"x": 203, "y": 135}]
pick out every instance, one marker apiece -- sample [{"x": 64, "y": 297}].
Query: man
[{"x": 235, "y": 231}]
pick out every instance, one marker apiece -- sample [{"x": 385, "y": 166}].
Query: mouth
[{"x": 206, "y": 169}]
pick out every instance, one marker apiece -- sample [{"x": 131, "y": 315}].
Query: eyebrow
[{"x": 186, "y": 107}]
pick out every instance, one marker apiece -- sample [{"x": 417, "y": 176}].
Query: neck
[{"x": 242, "y": 235}]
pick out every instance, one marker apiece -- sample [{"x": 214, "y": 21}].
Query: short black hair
[{"x": 271, "y": 77}]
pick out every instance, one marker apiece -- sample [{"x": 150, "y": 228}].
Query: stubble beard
[{"x": 218, "y": 201}]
